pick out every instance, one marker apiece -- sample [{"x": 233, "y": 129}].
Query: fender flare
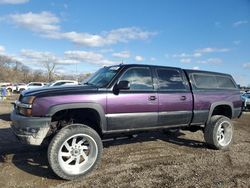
[
  {"x": 97, "y": 107},
  {"x": 214, "y": 105}
]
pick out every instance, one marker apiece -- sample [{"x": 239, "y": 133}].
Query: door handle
[
  {"x": 183, "y": 98},
  {"x": 152, "y": 98}
]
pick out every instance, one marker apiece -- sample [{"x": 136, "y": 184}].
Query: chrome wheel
[
  {"x": 224, "y": 133},
  {"x": 77, "y": 154}
]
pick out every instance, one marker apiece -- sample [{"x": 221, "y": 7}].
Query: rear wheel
[
  {"x": 218, "y": 132},
  {"x": 74, "y": 151}
]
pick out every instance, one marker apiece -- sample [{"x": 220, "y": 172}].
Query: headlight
[
  {"x": 25, "y": 111},
  {"x": 25, "y": 106}
]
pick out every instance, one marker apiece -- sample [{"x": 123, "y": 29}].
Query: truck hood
[{"x": 61, "y": 90}]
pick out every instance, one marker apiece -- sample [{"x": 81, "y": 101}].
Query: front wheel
[
  {"x": 218, "y": 132},
  {"x": 74, "y": 151}
]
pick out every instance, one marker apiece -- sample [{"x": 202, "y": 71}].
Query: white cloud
[
  {"x": 182, "y": 55},
  {"x": 185, "y": 60},
  {"x": 211, "y": 61},
  {"x": 237, "y": 42},
  {"x": 70, "y": 57},
  {"x": 34, "y": 57},
  {"x": 185, "y": 55},
  {"x": 45, "y": 23},
  {"x": 246, "y": 65},
  {"x": 122, "y": 35},
  {"x": 139, "y": 58},
  {"x": 196, "y": 68},
  {"x": 197, "y": 54},
  {"x": 88, "y": 57},
  {"x": 13, "y": 2},
  {"x": 2, "y": 49},
  {"x": 210, "y": 50},
  {"x": 241, "y": 22},
  {"x": 84, "y": 39},
  {"x": 37, "y": 56},
  {"x": 122, "y": 54},
  {"x": 67, "y": 61}
]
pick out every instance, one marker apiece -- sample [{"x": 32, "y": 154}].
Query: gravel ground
[{"x": 152, "y": 159}]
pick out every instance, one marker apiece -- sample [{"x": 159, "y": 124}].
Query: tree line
[{"x": 14, "y": 71}]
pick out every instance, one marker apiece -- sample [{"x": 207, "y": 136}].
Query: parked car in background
[
  {"x": 19, "y": 87},
  {"x": 62, "y": 83},
  {"x": 10, "y": 87},
  {"x": 31, "y": 85},
  {"x": 245, "y": 97}
]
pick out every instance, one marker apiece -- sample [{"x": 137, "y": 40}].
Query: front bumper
[{"x": 30, "y": 130}]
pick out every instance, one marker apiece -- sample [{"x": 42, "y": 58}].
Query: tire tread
[{"x": 58, "y": 138}]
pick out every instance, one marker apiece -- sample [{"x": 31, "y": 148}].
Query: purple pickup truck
[{"x": 124, "y": 99}]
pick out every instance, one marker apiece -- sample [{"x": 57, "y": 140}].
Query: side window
[
  {"x": 170, "y": 79},
  {"x": 35, "y": 84},
  {"x": 140, "y": 78},
  {"x": 59, "y": 83},
  {"x": 207, "y": 81},
  {"x": 225, "y": 82}
]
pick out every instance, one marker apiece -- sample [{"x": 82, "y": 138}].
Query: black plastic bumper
[{"x": 30, "y": 130}]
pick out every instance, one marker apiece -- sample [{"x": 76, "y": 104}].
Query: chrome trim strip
[{"x": 131, "y": 114}]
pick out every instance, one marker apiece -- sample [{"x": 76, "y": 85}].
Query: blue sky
[{"x": 87, "y": 34}]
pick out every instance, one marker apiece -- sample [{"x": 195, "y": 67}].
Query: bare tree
[
  {"x": 49, "y": 65},
  {"x": 38, "y": 76},
  {"x": 8, "y": 68},
  {"x": 83, "y": 77},
  {"x": 12, "y": 70}
]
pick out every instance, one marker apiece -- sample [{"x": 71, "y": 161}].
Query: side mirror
[{"x": 123, "y": 84}]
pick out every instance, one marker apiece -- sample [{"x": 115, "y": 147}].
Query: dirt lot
[{"x": 148, "y": 160}]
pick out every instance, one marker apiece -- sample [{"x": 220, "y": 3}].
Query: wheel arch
[
  {"x": 71, "y": 106},
  {"x": 217, "y": 107}
]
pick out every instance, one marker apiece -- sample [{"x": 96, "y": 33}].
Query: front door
[{"x": 136, "y": 107}]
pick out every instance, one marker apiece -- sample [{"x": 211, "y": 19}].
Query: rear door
[
  {"x": 175, "y": 98},
  {"x": 136, "y": 108}
]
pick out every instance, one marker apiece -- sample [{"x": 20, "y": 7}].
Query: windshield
[{"x": 103, "y": 76}]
